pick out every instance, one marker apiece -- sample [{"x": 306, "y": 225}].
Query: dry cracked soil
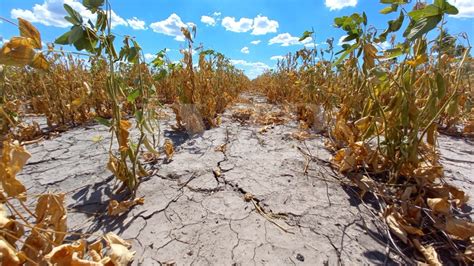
[{"x": 232, "y": 195}]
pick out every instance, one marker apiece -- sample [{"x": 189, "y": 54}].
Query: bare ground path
[{"x": 233, "y": 195}]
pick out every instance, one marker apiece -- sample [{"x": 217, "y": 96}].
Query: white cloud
[
  {"x": 245, "y": 50},
  {"x": 171, "y": 27},
  {"x": 259, "y": 25},
  {"x": 255, "y": 42},
  {"x": 285, "y": 39},
  {"x": 277, "y": 57},
  {"x": 339, "y": 4},
  {"x": 251, "y": 69},
  {"x": 385, "y": 45},
  {"x": 263, "y": 25},
  {"x": 136, "y": 23},
  {"x": 149, "y": 57},
  {"x": 243, "y": 25},
  {"x": 216, "y": 14},
  {"x": 52, "y": 13},
  {"x": 210, "y": 21},
  {"x": 341, "y": 42},
  {"x": 465, "y": 7}
]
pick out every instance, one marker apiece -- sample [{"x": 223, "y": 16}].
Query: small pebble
[{"x": 299, "y": 257}]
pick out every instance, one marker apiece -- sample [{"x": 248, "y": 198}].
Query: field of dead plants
[{"x": 355, "y": 156}]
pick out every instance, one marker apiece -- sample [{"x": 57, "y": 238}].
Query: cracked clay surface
[{"x": 230, "y": 196}]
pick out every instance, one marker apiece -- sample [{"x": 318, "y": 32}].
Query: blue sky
[{"x": 253, "y": 33}]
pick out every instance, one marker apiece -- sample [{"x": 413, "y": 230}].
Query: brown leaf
[
  {"x": 40, "y": 62},
  {"x": 13, "y": 159},
  {"x": 461, "y": 229},
  {"x": 15, "y": 230},
  {"x": 29, "y": 31},
  {"x": 19, "y": 51},
  {"x": 428, "y": 252},
  {"x": 123, "y": 133},
  {"x": 63, "y": 254},
  {"x": 116, "y": 207},
  {"x": 396, "y": 228},
  {"x": 169, "y": 149},
  {"x": 118, "y": 168},
  {"x": 8, "y": 254},
  {"x": 50, "y": 228},
  {"x": 439, "y": 205}
]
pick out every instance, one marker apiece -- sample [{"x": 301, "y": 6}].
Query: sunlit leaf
[{"x": 29, "y": 31}]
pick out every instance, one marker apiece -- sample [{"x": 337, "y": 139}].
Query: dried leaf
[
  {"x": 112, "y": 238},
  {"x": 396, "y": 228},
  {"x": 123, "y": 134},
  {"x": 13, "y": 159},
  {"x": 120, "y": 255},
  {"x": 469, "y": 252},
  {"x": 439, "y": 205},
  {"x": 19, "y": 51},
  {"x": 63, "y": 254},
  {"x": 29, "y": 31},
  {"x": 15, "y": 230},
  {"x": 40, "y": 62},
  {"x": 8, "y": 254},
  {"x": 169, "y": 149},
  {"x": 458, "y": 228},
  {"x": 428, "y": 252},
  {"x": 119, "y": 252},
  {"x": 118, "y": 168},
  {"x": 116, "y": 207}
]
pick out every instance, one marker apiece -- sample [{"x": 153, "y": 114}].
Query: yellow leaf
[
  {"x": 169, "y": 149},
  {"x": 439, "y": 205},
  {"x": 396, "y": 228},
  {"x": 112, "y": 238},
  {"x": 29, "y": 31},
  {"x": 116, "y": 207},
  {"x": 40, "y": 62},
  {"x": 14, "y": 229},
  {"x": 125, "y": 125},
  {"x": 77, "y": 102},
  {"x": 120, "y": 255},
  {"x": 17, "y": 52},
  {"x": 420, "y": 59},
  {"x": 428, "y": 252},
  {"x": 13, "y": 159},
  {"x": 63, "y": 254}
]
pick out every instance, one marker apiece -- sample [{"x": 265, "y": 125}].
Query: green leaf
[
  {"x": 423, "y": 26},
  {"x": 103, "y": 121},
  {"x": 450, "y": 9},
  {"x": 428, "y": 11},
  {"x": 77, "y": 33},
  {"x": 74, "y": 16},
  {"x": 389, "y": 9},
  {"x": 345, "y": 54},
  {"x": 63, "y": 39},
  {"x": 306, "y": 34},
  {"x": 392, "y": 53},
  {"x": 441, "y": 85},
  {"x": 394, "y": 1},
  {"x": 396, "y": 24},
  {"x": 350, "y": 38},
  {"x": 93, "y": 5},
  {"x": 133, "y": 96}
]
